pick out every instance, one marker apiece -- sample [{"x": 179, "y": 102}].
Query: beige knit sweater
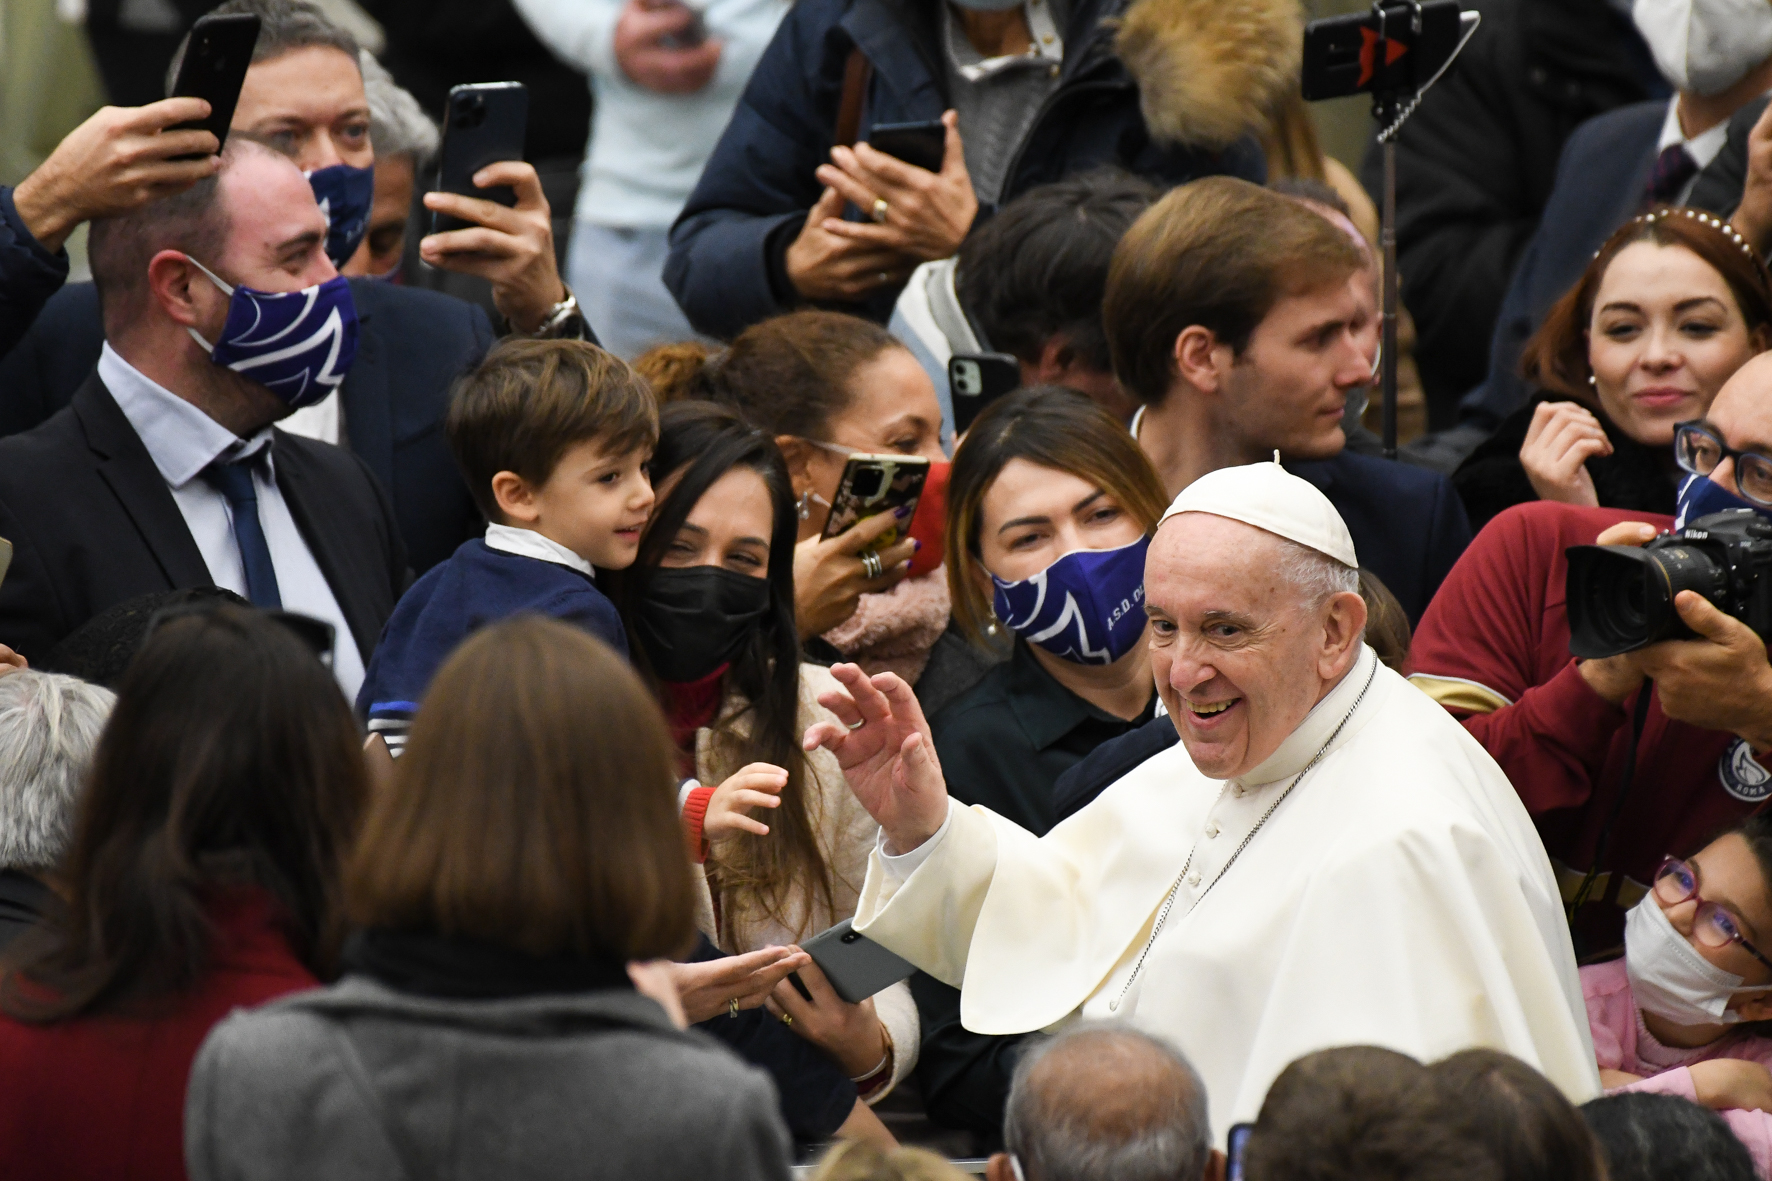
[{"x": 846, "y": 835}]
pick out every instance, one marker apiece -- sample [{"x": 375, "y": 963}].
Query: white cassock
[{"x": 1398, "y": 897}]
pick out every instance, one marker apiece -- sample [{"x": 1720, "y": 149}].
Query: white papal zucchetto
[{"x": 1269, "y": 497}]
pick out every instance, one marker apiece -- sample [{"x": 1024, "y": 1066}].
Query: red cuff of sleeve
[
  {"x": 1580, "y": 720},
  {"x": 695, "y": 811}
]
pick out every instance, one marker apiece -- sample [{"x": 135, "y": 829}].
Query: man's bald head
[
  {"x": 194, "y": 222},
  {"x": 1107, "y": 1103},
  {"x": 1747, "y": 394}
]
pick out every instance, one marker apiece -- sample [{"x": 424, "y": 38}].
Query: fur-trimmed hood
[{"x": 1210, "y": 70}]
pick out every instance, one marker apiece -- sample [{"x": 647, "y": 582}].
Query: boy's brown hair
[
  {"x": 511, "y": 820},
  {"x": 530, "y": 401}
]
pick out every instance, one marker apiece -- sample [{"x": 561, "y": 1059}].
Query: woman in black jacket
[{"x": 1671, "y": 306}]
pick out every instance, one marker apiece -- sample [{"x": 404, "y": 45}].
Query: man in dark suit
[
  {"x": 1240, "y": 319},
  {"x": 304, "y": 96},
  {"x": 413, "y": 344},
  {"x": 165, "y": 470}
]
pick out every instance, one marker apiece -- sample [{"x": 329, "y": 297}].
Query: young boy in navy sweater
[{"x": 553, "y": 438}]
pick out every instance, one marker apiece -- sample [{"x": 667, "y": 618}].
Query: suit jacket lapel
[
  {"x": 364, "y": 395},
  {"x": 126, "y": 467},
  {"x": 311, "y": 505}
]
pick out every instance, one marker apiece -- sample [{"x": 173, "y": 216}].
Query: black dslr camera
[{"x": 1621, "y": 597}]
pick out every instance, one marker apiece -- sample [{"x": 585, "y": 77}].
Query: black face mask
[{"x": 693, "y": 619}]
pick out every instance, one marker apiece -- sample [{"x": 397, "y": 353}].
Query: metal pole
[{"x": 1388, "y": 240}]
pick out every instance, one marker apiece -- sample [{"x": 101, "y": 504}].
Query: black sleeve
[
  {"x": 1079, "y": 786},
  {"x": 29, "y": 274},
  {"x": 964, "y": 1076}
]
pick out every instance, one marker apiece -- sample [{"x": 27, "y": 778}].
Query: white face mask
[
  {"x": 1705, "y": 46},
  {"x": 1669, "y": 978}
]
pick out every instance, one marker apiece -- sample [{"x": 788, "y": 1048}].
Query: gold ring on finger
[
  {"x": 787, "y": 1019},
  {"x": 732, "y": 1006},
  {"x": 880, "y": 210}
]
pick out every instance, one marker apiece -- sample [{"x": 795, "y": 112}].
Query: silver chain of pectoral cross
[{"x": 1169, "y": 900}]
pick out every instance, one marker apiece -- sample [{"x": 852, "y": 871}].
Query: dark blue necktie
[{"x": 234, "y": 481}]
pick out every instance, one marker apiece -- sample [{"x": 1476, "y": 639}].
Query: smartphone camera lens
[
  {"x": 868, "y": 481},
  {"x": 850, "y": 936},
  {"x": 470, "y": 112}
]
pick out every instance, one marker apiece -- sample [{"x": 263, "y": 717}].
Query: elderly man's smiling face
[{"x": 1240, "y": 653}]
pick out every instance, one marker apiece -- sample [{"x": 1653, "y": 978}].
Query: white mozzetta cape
[{"x": 1399, "y": 897}]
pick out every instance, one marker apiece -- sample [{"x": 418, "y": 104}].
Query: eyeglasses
[
  {"x": 1700, "y": 450},
  {"x": 1677, "y": 882}
]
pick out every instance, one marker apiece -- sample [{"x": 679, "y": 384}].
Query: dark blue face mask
[
  {"x": 297, "y": 344},
  {"x": 1700, "y": 496},
  {"x": 345, "y": 196},
  {"x": 1087, "y": 607}
]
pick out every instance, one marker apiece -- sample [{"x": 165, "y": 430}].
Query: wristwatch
[{"x": 564, "y": 320}]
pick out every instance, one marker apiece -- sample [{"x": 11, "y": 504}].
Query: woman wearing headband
[{"x": 1670, "y": 307}]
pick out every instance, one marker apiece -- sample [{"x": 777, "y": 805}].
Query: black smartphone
[
  {"x": 1235, "y": 1144},
  {"x": 483, "y": 124},
  {"x": 1342, "y": 55},
  {"x": 976, "y": 380},
  {"x": 875, "y": 484},
  {"x": 856, "y": 966},
  {"x": 217, "y": 56},
  {"x": 922, "y": 144}
]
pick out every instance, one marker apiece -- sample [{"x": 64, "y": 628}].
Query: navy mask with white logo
[
  {"x": 345, "y": 196},
  {"x": 297, "y": 344}
]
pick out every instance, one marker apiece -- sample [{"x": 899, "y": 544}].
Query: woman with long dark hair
[
  {"x": 827, "y": 387},
  {"x": 709, "y": 602},
  {"x": 204, "y": 876}
]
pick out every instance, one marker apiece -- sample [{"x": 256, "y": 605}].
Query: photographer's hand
[{"x": 1720, "y": 681}]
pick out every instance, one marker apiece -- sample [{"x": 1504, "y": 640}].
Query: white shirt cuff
[
  {"x": 687, "y": 786},
  {"x": 901, "y": 866}
]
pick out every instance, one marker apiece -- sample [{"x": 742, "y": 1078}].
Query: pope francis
[{"x": 1327, "y": 858}]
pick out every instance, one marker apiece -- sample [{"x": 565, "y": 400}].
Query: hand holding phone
[
  {"x": 875, "y": 484},
  {"x": 118, "y": 160},
  {"x": 920, "y": 211},
  {"x": 663, "y": 46}
]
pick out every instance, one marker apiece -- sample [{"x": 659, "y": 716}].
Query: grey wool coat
[{"x": 358, "y": 1082}]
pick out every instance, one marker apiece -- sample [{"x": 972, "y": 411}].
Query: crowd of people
[{"x": 452, "y": 684}]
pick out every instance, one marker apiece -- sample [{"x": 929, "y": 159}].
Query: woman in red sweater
[{"x": 203, "y": 877}]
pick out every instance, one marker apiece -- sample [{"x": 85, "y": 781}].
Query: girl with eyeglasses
[
  {"x": 1688, "y": 1009},
  {"x": 1670, "y": 307}
]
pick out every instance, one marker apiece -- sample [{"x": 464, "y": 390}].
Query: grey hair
[
  {"x": 1316, "y": 575},
  {"x": 49, "y": 730},
  {"x": 398, "y": 126},
  {"x": 1155, "y": 1130}
]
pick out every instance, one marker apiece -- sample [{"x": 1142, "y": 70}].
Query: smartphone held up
[{"x": 484, "y": 123}]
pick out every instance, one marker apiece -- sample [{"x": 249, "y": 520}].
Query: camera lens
[
  {"x": 868, "y": 482},
  {"x": 1622, "y": 598}
]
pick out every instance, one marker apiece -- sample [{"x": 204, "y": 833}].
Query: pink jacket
[{"x": 1622, "y": 1043}]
